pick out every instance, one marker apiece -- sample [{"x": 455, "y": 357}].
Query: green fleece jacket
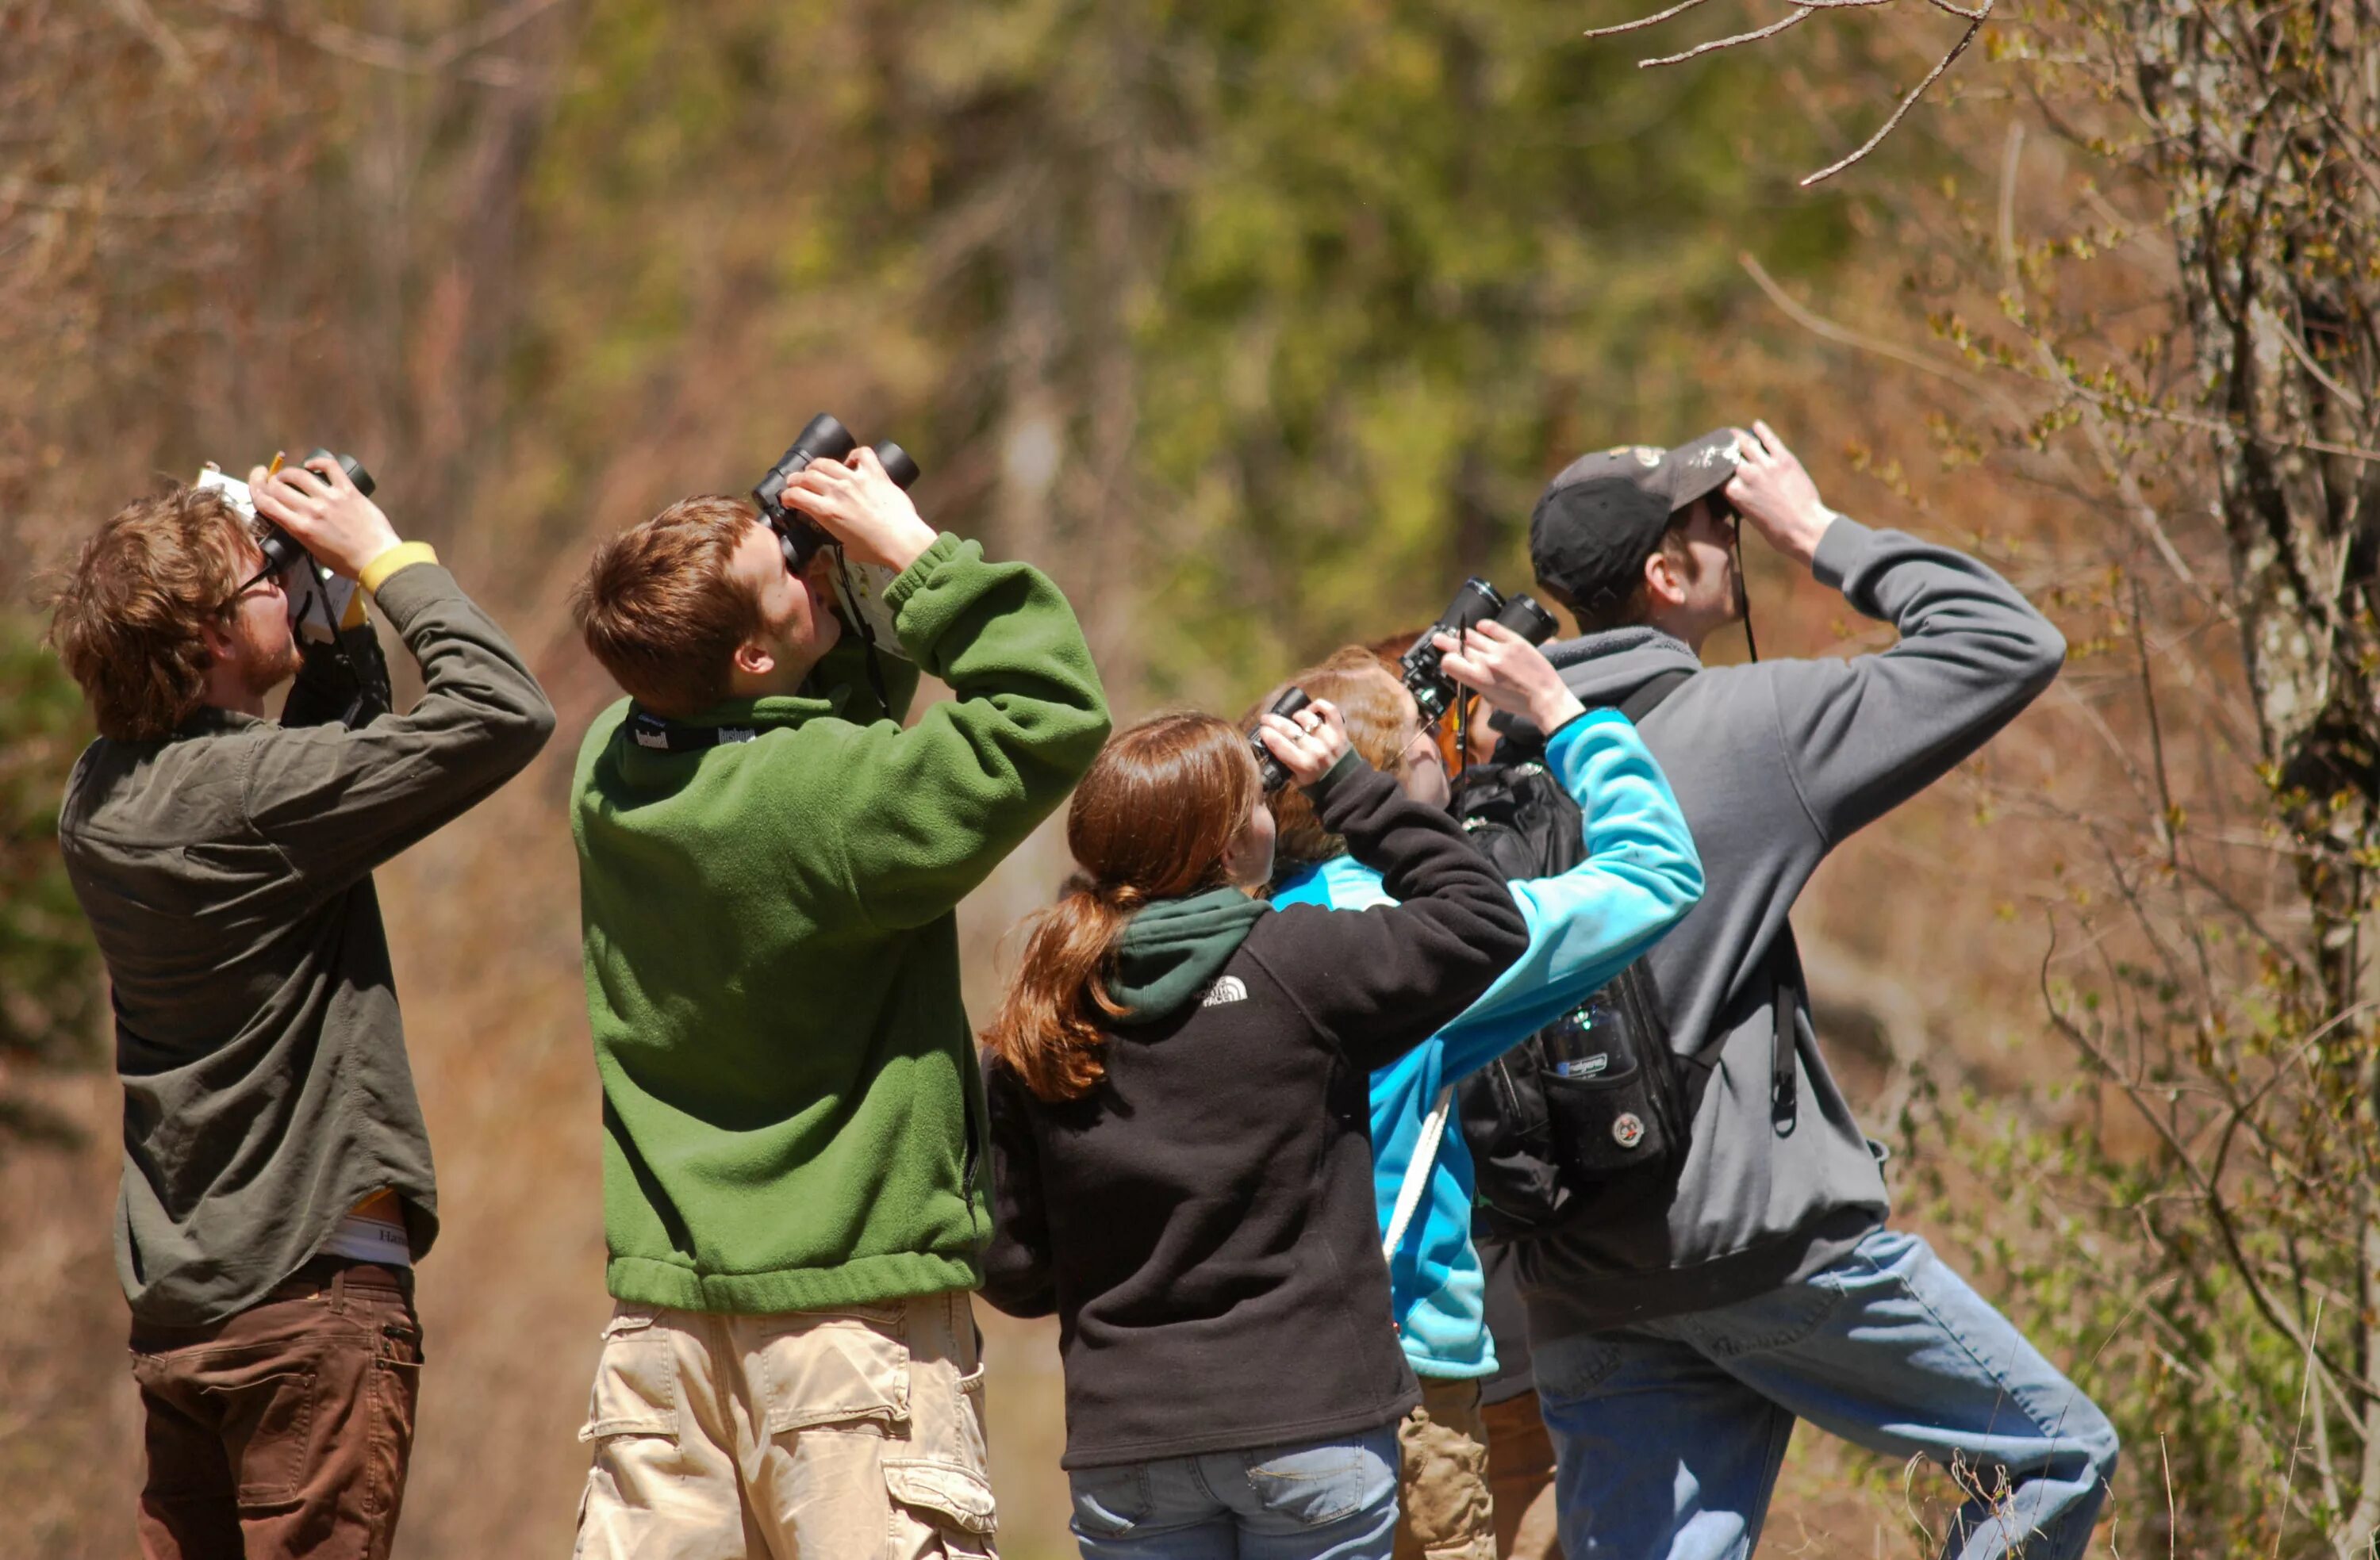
[{"x": 790, "y": 1106}]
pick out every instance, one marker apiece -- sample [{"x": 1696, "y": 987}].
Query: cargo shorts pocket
[
  {"x": 636, "y": 1390},
  {"x": 942, "y": 1470},
  {"x": 945, "y": 1495},
  {"x": 822, "y": 1367}
]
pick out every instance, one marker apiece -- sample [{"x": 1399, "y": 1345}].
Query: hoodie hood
[
  {"x": 1605, "y": 668},
  {"x": 1171, "y": 951}
]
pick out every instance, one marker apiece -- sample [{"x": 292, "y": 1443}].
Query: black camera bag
[{"x": 1546, "y": 1147}]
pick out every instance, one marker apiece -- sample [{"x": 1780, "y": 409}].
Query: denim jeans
[
  {"x": 1668, "y": 1434},
  {"x": 1327, "y": 1499}
]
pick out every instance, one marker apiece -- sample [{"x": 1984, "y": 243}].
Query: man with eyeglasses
[
  {"x": 1683, "y": 1325},
  {"x": 277, "y": 1185}
]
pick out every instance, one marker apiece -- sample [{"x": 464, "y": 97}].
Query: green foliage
[
  {"x": 1246, "y": 308},
  {"x": 49, "y": 971}
]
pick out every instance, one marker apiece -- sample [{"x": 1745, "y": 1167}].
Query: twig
[
  {"x": 1980, "y": 15},
  {"x": 1681, "y": 8},
  {"x": 102, "y": 202},
  {"x": 446, "y": 55},
  {"x": 1802, "y": 13},
  {"x": 2297, "y": 1435},
  {"x": 1818, "y": 325}
]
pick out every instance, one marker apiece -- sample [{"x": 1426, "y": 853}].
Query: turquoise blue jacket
[{"x": 1640, "y": 876}]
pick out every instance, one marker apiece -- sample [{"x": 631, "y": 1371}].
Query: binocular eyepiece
[
  {"x": 1270, "y": 769},
  {"x": 822, "y": 438},
  {"x": 281, "y": 549},
  {"x": 1433, "y": 691}
]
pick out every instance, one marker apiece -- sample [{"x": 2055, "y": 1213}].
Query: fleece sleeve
[
  {"x": 934, "y": 808},
  {"x": 1639, "y": 877},
  {"x": 1866, "y": 734},
  {"x": 1018, "y": 1276},
  {"x": 1378, "y": 982}
]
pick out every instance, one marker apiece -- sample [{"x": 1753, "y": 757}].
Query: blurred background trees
[{"x": 1260, "y": 326}]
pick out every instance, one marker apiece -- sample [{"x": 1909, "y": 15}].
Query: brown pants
[
  {"x": 284, "y": 1430},
  {"x": 1521, "y": 1473}
]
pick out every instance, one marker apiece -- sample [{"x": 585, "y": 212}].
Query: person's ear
[
  {"x": 755, "y": 658},
  {"x": 1664, "y": 579},
  {"x": 217, "y": 638}
]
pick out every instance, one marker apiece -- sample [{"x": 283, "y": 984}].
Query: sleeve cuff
[
  {"x": 403, "y": 555},
  {"x": 1832, "y": 563},
  {"x": 909, "y": 581},
  {"x": 1349, "y": 763}
]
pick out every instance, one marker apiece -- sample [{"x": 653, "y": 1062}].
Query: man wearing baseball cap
[{"x": 1680, "y": 1335}]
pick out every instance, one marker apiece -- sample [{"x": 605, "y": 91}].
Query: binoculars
[
  {"x": 1270, "y": 769},
  {"x": 1433, "y": 691},
  {"x": 822, "y": 438},
  {"x": 281, "y": 549}
]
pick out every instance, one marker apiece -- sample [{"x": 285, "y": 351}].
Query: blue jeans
[
  {"x": 1667, "y": 1436},
  {"x": 1327, "y": 1499}
]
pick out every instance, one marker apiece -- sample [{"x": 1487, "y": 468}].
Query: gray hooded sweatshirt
[{"x": 1773, "y": 764}]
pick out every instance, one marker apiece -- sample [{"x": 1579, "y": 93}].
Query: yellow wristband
[{"x": 403, "y": 555}]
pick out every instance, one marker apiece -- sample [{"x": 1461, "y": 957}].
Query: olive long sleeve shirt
[{"x": 226, "y": 872}]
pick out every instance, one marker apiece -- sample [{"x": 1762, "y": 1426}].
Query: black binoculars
[
  {"x": 822, "y": 438},
  {"x": 1433, "y": 691},
  {"x": 281, "y": 549},
  {"x": 1270, "y": 769}
]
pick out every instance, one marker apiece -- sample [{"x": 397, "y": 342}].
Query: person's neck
[
  {"x": 783, "y": 680},
  {"x": 227, "y": 689},
  {"x": 1690, "y": 629}
]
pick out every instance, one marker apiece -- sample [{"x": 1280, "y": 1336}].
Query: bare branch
[
  {"x": 1801, "y": 13},
  {"x": 1681, "y": 8},
  {"x": 1947, "y": 61},
  {"x": 449, "y": 54}
]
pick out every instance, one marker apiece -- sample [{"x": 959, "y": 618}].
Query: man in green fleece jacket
[{"x": 792, "y": 1129}]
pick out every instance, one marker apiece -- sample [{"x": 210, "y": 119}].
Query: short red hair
[{"x": 660, "y": 608}]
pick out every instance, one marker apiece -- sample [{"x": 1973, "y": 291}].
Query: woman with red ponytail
[{"x": 1178, "y": 1081}]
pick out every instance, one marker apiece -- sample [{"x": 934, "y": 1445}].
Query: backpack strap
[
  {"x": 1645, "y": 700},
  {"x": 1784, "y": 955},
  {"x": 1433, "y": 1133},
  {"x": 1784, "y": 1102}
]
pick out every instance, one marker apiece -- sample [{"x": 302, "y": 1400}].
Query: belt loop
[{"x": 339, "y": 1287}]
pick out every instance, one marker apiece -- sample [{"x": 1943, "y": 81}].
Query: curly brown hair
[
  {"x": 660, "y": 610},
  {"x": 130, "y": 621},
  {"x": 1379, "y": 717}
]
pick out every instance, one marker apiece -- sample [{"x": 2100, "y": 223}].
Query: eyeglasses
[{"x": 260, "y": 577}]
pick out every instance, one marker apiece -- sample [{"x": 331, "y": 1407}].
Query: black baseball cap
[{"x": 1603, "y": 515}]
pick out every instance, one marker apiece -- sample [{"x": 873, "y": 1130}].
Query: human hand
[
  {"x": 1307, "y": 743},
  {"x": 1511, "y": 673},
  {"x": 862, "y": 508},
  {"x": 1772, "y": 490},
  {"x": 319, "y": 505}
]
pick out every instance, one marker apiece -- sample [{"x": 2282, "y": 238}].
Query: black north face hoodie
[{"x": 1202, "y": 1221}]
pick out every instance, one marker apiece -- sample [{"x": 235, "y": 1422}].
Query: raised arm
[
  {"x": 1639, "y": 877},
  {"x": 1864, "y": 735},
  {"x": 1380, "y": 982},
  {"x": 947, "y": 798},
  {"x": 338, "y": 801}
]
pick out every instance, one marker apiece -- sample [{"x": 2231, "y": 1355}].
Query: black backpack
[{"x": 1597, "y": 1101}]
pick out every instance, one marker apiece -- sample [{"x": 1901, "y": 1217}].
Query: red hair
[{"x": 1151, "y": 820}]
